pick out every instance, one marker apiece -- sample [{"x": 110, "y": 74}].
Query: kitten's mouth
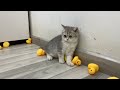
[{"x": 66, "y": 40}]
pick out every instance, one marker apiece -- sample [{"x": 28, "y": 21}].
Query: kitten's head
[{"x": 70, "y": 34}]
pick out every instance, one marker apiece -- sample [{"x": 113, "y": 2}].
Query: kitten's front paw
[
  {"x": 61, "y": 61},
  {"x": 70, "y": 63}
]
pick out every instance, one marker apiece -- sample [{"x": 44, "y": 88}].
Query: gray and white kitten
[{"x": 64, "y": 44}]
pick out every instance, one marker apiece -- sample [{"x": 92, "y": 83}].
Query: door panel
[{"x": 13, "y": 25}]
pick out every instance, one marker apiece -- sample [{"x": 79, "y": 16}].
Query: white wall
[
  {"x": 100, "y": 30},
  {"x": 48, "y": 24},
  {"x": 13, "y": 25}
]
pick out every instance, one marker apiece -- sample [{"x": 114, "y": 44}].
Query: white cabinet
[{"x": 13, "y": 25}]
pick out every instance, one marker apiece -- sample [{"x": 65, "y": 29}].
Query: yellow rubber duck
[
  {"x": 28, "y": 42},
  {"x": 113, "y": 77},
  {"x": 91, "y": 71},
  {"x": 40, "y": 52},
  {"x": 29, "y": 39},
  {"x": 6, "y": 44},
  {"x": 76, "y": 61},
  {"x": 93, "y": 68},
  {"x": 0, "y": 47}
]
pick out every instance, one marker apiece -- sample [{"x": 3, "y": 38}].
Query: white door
[{"x": 13, "y": 25}]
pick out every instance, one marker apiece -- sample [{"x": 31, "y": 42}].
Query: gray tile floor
[{"x": 21, "y": 62}]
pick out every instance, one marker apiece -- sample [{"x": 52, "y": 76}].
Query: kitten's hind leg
[{"x": 49, "y": 57}]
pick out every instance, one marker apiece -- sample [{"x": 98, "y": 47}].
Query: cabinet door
[{"x": 13, "y": 25}]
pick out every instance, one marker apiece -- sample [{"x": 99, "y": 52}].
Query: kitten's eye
[
  {"x": 65, "y": 36},
  {"x": 70, "y": 36}
]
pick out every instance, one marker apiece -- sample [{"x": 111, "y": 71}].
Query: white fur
[
  {"x": 61, "y": 60},
  {"x": 69, "y": 49},
  {"x": 69, "y": 59},
  {"x": 49, "y": 57}
]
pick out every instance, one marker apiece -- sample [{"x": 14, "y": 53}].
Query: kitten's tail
[
  {"x": 42, "y": 44},
  {"x": 42, "y": 47}
]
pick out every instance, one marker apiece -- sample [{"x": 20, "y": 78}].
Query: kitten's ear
[
  {"x": 75, "y": 29},
  {"x": 63, "y": 28},
  {"x": 62, "y": 25}
]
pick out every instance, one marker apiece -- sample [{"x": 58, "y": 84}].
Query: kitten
[{"x": 64, "y": 44}]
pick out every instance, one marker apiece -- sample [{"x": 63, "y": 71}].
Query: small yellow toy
[
  {"x": 0, "y": 47},
  {"x": 40, "y": 52},
  {"x": 6, "y": 44},
  {"x": 91, "y": 71},
  {"x": 93, "y": 68},
  {"x": 29, "y": 41},
  {"x": 113, "y": 77},
  {"x": 76, "y": 61}
]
